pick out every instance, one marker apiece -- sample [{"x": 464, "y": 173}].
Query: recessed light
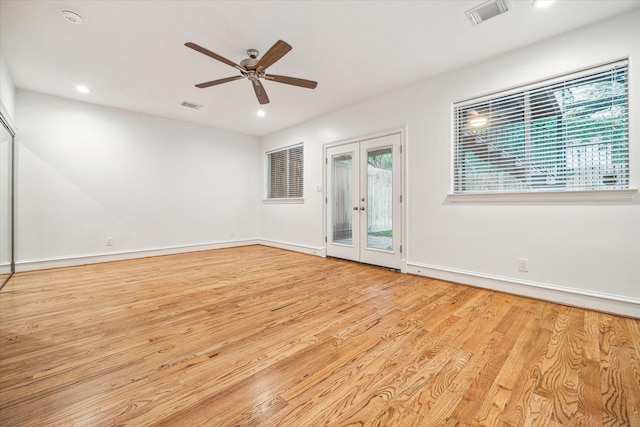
[
  {"x": 260, "y": 113},
  {"x": 72, "y": 17},
  {"x": 83, "y": 89},
  {"x": 541, "y": 3}
]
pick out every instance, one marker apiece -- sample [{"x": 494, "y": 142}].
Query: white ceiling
[{"x": 132, "y": 54}]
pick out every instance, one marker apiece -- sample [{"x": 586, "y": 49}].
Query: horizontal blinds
[
  {"x": 285, "y": 174},
  {"x": 567, "y": 135}
]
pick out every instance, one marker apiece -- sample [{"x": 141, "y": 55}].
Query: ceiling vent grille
[
  {"x": 191, "y": 105},
  {"x": 487, "y": 10}
]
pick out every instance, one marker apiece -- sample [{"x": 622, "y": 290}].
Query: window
[
  {"x": 565, "y": 134},
  {"x": 285, "y": 170}
]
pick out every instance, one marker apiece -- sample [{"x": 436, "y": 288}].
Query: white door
[{"x": 363, "y": 201}]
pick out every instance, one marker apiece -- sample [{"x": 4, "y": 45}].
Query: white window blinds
[
  {"x": 285, "y": 173},
  {"x": 567, "y": 134}
]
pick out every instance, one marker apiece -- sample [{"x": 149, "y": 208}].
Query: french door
[{"x": 364, "y": 201}]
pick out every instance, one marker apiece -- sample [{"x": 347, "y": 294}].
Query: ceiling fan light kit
[{"x": 254, "y": 69}]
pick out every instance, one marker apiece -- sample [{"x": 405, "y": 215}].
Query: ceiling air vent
[
  {"x": 191, "y": 105},
  {"x": 487, "y": 10}
]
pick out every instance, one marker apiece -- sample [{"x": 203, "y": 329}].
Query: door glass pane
[
  {"x": 380, "y": 199},
  {"x": 341, "y": 194}
]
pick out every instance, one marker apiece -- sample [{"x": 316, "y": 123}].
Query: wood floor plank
[
  {"x": 614, "y": 409},
  {"x": 526, "y": 376},
  {"x": 589, "y": 400},
  {"x": 560, "y": 370},
  {"x": 540, "y": 413},
  {"x": 258, "y": 336},
  {"x": 487, "y": 398},
  {"x": 426, "y": 398}
]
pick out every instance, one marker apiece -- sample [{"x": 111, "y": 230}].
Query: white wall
[
  {"x": 579, "y": 253},
  {"x": 87, "y": 172},
  {"x": 7, "y": 92}
]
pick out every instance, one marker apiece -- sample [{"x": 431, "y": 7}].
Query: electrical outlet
[
  {"x": 109, "y": 241},
  {"x": 523, "y": 265}
]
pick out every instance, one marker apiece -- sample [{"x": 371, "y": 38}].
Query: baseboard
[
  {"x": 41, "y": 264},
  {"x": 600, "y": 301},
  {"x": 311, "y": 250}
]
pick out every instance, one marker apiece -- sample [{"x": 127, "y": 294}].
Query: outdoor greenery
[
  {"x": 381, "y": 159},
  {"x": 383, "y": 233},
  {"x": 553, "y": 133}
]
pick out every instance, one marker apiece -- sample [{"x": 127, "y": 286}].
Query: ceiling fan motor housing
[{"x": 249, "y": 63}]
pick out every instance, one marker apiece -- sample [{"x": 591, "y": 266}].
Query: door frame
[
  {"x": 403, "y": 187},
  {"x": 8, "y": 124}
]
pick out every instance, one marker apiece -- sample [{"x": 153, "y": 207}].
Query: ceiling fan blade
[
  {"x": 277, "y": 51},
  {"x": 213, "y": 55},
  {"x": 219, "y": 81},
  {"x": 260, "y": 92},
  {"x": 309, "y": 84}
]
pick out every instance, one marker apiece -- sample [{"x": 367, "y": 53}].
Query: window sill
[
  {"x": 602, "y": 196},
  {"x": 296, "y": 200}
]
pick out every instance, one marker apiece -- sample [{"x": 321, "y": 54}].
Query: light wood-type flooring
[{"x": 262, "y": 336}]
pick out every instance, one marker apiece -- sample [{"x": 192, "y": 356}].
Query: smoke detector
[
  {"x": 72, "y": 17},
  {"x": 487, "y": 10}
]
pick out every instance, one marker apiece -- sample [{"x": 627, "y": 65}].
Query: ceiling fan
[{"x": 254, "y": 69}]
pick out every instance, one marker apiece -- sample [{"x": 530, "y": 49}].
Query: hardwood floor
[{"x": 261, "y": 336}]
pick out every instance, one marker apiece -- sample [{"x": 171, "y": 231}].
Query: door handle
[
  {"x": 355, "y": 208},
  {"x": 362, "y": 208}
]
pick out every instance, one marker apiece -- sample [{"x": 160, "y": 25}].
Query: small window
[
  {"x": 285, "y": 171},
  {"x": 566, "y": 134}
]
